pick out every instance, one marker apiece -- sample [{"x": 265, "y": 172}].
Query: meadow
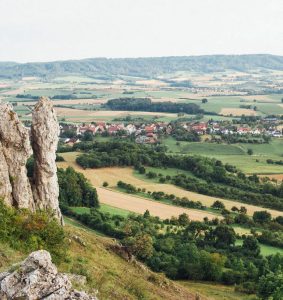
[{"x": 235, "y": 154}]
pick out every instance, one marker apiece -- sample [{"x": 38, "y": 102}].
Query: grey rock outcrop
[
  {"x": 15, "y": 149},
  {"x": 37, "y": 278},
  {"x": 44, "y": 140},
  {"x": 5, "y": 184}
]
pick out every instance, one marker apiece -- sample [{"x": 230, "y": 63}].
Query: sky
[{"x": 48, "y": 30}]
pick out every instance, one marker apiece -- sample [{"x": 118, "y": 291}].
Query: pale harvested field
[
  {"x": 278, "y": 177},
  {"x": 71, "y": 101},
  {"x": 113, "y": 175},
  {"x": 152, "y": 82},
  {"x": 87, "y": 115},
  {"x": 165, "y": 99},
  {"x": 259, "y": 98},
  {"x": 237, "y": 112},
  {"x": 140, "y": 205},
  {"x": 14, "y": 92}
]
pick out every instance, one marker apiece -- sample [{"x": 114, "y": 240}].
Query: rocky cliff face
[
  {"x": 44, "y": 138},
  {"x": 37, "y": 278},
  {"x": 15, "y": 149}
]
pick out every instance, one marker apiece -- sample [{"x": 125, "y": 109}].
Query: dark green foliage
[
  {"x": 262, "y": 217},
  {"x": 180, "y": 134},
  {"x": 129, "y": 188},
  {"x": 27, "y": 231},
  {"x": 271, "y": 286},
  {"x": 75, "y": 190},
  {"x": 218, "y": 205},
  {"x": 59, "y": 158},
  {"x": 145, "y": 104},
  {"x": 250, "y": 152},
  {"x": 251, "y": 246}
]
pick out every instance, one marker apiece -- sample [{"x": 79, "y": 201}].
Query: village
[{"x": 150, "y": 133}]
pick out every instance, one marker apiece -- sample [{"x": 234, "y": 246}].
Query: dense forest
[
  {"x": 145, "y": 104},
  {"x": 146, "y": 67},
  {"x": 211, "y": 176}
]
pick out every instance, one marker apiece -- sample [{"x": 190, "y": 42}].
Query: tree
[
  {"x": 105, "y": 184},
  {"x": 146, "y": 214},
  {"x": 204, "y": 100},
  {"x": 243, "y": 210},
  {"x": 279, "y": 220},
  {"x": 251, "y": 246},
  {"x": 250, "y": 151},
  {"x": 262, "y": 217},
  {"x": 235, "y": 209},
  {"x": 183, "y": 219},
  {"x": 224, "y": 236},
  {"x": 88, "y": 136},
  {"x": 218, "y": 205},
  {"x": 271, "y": 286},
  {"x": 140, "y": 245}
]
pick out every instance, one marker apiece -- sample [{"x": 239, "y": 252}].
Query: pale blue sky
[{"x": 44, "y": 30}]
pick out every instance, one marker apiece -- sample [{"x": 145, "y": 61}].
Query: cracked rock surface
[{"x": 37, "y": 278}]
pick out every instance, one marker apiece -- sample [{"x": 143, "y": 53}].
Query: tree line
[{"x": 145, "y": 104}]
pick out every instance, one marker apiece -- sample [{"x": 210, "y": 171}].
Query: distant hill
[{"x": 147, "y": 67}]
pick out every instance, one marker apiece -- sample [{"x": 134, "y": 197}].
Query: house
[
  {"x": 150, "y": 129},
  {"x": 114, "y": 128},
  {"x": 130, "y": 128},
  {"x": 199, "y": 128},
  {"x": 243, "y": 130},
  {"x": 150, "y": 138},
  {"x": 72, "y": 141}
]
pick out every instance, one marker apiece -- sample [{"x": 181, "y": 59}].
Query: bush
[{"x": 27, "y": 231}]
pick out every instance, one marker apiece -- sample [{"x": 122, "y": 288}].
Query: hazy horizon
[
  {"x": 41, "y": 31},
  {"x": 135, "y": 57}
]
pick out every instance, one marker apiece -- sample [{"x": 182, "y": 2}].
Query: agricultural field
[
  {"x": 98, "y": 90},
  {"x": 113, "y": 175},
  {"x": 236, "y": 154}
]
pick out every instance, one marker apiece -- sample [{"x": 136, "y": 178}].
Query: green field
[
  {"x": 103, "y": 208},
  {"x": 235, "y": 154},
  {"x": 265, "y": 250}
]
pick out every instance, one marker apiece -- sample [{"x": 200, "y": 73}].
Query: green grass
[
  {"x": 210, "y": 149},
  {"x": 103, "y": 208},
  {"x": 163, "y": 171},
  {"x": 235, "y": 154},
  {"x": 215, "y": 291},
  {"x": 265, "y": 250},
  {"x": 269, "y": 250}
]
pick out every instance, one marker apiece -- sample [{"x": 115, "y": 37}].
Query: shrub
[{"x": 27, "y": 231}]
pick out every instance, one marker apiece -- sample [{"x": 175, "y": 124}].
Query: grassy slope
[
  {"x": 106, "y": 271},
  {"x": 114, "y": 277}
]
